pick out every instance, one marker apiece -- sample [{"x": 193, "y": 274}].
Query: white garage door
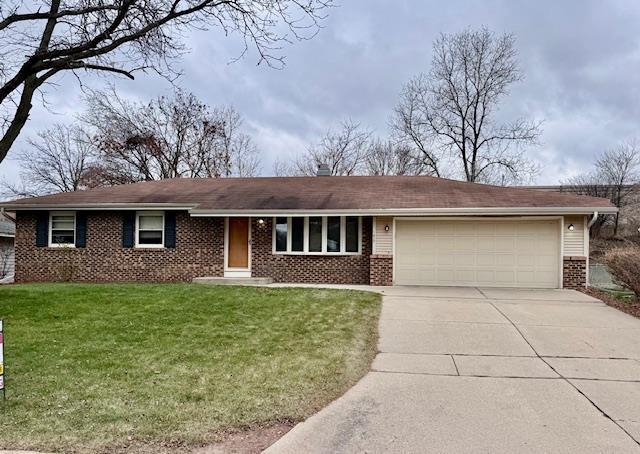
[{"x": 478, "y": 253}]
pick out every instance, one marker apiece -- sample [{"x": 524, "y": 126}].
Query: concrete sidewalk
[{"x": 488, "y": 370}]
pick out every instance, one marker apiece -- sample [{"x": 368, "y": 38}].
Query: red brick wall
[
  {"x": 381, "y": 270},
  {"x": 347, "y": 269},
  {"x": 574, "y": 272},
  {"x": 199, "y": 251}
]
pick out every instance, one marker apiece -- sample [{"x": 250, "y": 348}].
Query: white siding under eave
[
  {"x": 574, "y": 240},
  {"x": 383, "y": 239}
]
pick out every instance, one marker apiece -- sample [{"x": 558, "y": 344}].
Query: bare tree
[
  {"x": 41, "y": 39},
  {"x": 240, "y": 156},
  {"x": 450, "y": 112},
  {"x": 343, "y": 150},
  {"x": 284, "y": 167},
  {"x": 592, "y": 185},
  {"x": 616, "y": 177},
  {"x": 389, "y": 158},
  {"x": 620, "y": 168},
  {"x": 166, "y": 138},
  {"x": 55, "y": 161}
]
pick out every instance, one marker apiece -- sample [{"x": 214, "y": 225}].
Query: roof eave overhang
[
  {"x": 96, "y": 206},
  {"x": 480, "y": 211},
  {"x": 200, "y": 212}
]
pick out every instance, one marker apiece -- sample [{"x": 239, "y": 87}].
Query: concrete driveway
[{"x": 488, "y": 370}]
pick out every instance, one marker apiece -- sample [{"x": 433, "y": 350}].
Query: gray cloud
[{"x": 580, "y": 59}]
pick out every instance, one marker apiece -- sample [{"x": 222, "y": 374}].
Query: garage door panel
[
  {"x": 526, "y": 260},
  {"x": 505, "y": 277},
  {"x": 504, "y": 260},
  {"x": 478, "y": 253},
  {"x": 486, "y": 243},
  {"x": 487, "y": 260},
  {"x": 465, "y": 243}
]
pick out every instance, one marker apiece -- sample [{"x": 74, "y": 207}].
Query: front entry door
[{"x": 238, "y": 252}]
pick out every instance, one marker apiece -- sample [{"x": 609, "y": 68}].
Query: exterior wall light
[
  {"x": 260, "y": 222},
  {"x": 571, "y": 227},
  {"x": 386, "y": 228}
]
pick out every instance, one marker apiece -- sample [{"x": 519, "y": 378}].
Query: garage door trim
[{"x": 560, "y": 220}]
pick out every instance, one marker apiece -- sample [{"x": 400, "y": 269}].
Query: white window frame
[
  {"x": 137, "y": 230},
  {"x": 52, "y": 214},
  {"x": 305, "y": 251}
]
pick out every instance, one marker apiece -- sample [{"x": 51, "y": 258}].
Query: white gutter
[
  {"x": 593, "y": 220},
  {"x": 98, "y": 206},
  {"x": 198, "y": 212},
  {"x": 486, "y": 211}
]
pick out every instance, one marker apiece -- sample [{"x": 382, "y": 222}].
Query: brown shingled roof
[{"x": 315, "y": 193}]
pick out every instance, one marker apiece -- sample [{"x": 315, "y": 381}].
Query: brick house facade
[
  {"x": 574, "y": 272},
  {"x": 348, "y": 269},
  {"x": 381, "y": 230},
  {"x": 199, "y": 251}
]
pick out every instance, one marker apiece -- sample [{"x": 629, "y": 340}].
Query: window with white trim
[
  {"x": 62, "y": 229},
  {"x": 149, "y": 229},
  {"x": 337, "y": 235}
]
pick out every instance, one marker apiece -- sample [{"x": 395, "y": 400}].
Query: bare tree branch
[
  {"x": 449, "y": 112},
  {"x": 343, "y": 150},
  {"x": 42, "y": 38},
  {"x": 166, "y": 138},
  {"x": 616, "y": 177},
  {"x": 55, "y": 161}
]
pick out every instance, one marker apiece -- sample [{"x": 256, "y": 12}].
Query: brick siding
[
  {"x": 381, "y": 270},
  {"x": 345, "y": 269},
  {"x": 199, "y": 251},
  {"x": 574, "y": 272}
]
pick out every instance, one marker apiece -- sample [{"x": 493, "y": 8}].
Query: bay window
[
  {"x": 315, "y": 234},
  {"x": 338, "y": 235}
]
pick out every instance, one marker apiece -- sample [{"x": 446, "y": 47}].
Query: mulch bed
[
  {"x": 630, "y": 306},
  {"x": 250, "y": 441}
]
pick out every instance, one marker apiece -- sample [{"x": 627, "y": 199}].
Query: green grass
[
  {"x": 622, "y": 294},
  {"x": 162, "y": 367}
]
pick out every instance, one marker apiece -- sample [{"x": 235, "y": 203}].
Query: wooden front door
[{"x": 238, "y": 252}]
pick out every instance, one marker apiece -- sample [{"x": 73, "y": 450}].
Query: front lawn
[{"x": 168, "y": 367}]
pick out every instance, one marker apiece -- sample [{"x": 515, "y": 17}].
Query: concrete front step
[{"x": 233, "y": 280}]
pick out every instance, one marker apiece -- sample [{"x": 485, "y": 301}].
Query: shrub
[{"x": 624, "y": 265}]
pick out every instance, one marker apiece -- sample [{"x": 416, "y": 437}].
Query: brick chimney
[{"x": 323, "y": 171}]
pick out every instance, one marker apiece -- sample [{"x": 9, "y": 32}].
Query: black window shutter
[
  {"x": 170, "y": 229},
  {"x": 81, "y": 229},
  {"x": 42, "y": 229},
  {"x": 128, "y": 227}
]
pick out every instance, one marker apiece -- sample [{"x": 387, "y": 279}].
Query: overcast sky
[{"x": 581, "y": 60}]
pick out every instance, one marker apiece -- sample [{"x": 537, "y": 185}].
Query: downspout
[{"x": 592, "y": 221}]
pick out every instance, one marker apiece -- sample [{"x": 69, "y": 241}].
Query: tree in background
[
  {"x": 385, "y": 157},
  {"x": 352, "y": 150},
  {"x": 449, "y": 113},
  {"x": 120, "y": 142},
  {"x": 166, "y": 138},
  {"x": 616, "y": 176},
  {"x": 40, "y": 40},
  {"x": 344, "y": 150},
  {"x": 56, "y": 160}
]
